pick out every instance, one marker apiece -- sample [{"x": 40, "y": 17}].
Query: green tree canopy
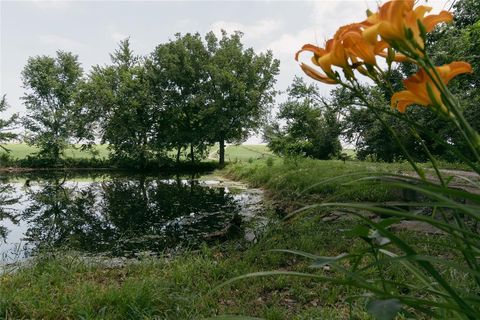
[
  {"x": 311, "y": 126},
  {"x": 6, "y": 125},
  {"x": 118, "y": 97},
  {"x": 240, "y": 88},
  {"x": 178, "y": 74},
  {"x": 51, "y": 85}
]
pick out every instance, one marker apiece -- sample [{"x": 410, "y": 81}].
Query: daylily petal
[
  {"x": 432, "y": 20},
  {"x": 420, "y": 11},
  {"x": 398, "y": 57},
  {"x": 356, "y": 45},
  {"x": 371, "y": 33},
  {"x": 402, "y": 99},
  {"x": 417, "y": 86},
  {"x": 450, "y": 71},
  {"x": 310, "y": 47},
  {"x": 311, "y": 72}
]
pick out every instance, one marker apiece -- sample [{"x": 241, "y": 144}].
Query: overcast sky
[{"x": 92, "y": 29}]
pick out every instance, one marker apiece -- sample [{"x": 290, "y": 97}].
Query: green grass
[
  {"x": 182, "y": 288},
  {"x": 233, "y": 153},
  {"x": 64, "y": 285}
]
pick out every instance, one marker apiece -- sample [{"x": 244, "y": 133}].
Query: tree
[
  {"x": 460, "y": 41},
  {"x": 6, "y": 125},
  {"x": 118, "y": 97},
  {"x": 311, "y": 127},
  {"x": 177, "y": 72},
  {"x": 51, "y": 86},
  {"x": 467, "y": 13},
  {"x": 240, "y": 89}
]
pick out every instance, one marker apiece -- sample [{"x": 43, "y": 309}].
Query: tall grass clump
[{"x": 433, "y": 286}]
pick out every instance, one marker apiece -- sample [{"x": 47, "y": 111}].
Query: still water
[{"x": 120, "y": 215}]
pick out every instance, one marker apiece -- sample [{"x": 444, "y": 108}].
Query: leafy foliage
[
  {"x": 6, "y": 125},
  {"x": 118, "y": 98},
  {"x": 240, "y": 88},
  {"x": 177, "y": 71},
  {"x": 312, "y": 127},
  {"x": 51, "y": 87}
]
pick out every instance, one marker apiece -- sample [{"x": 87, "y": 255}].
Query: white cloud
[
  {"x": 327, "y": 16},
  {"x": 52, "y": 4},
  {"x": 116, "y": 35},
  {"x": 253, "y": 31},
  {"x": 60, "y": 42},
  {"x": 288, "y": 43}
]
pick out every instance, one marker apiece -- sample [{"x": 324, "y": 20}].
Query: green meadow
[
  {"x": 22, "y": 150},
  {"x": 232, "y": 153}
]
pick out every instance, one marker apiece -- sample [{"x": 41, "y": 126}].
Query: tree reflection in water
[
  {"x": 7, "y": 200},
  {"x": 125, "y": 216},
  {"x": 63, "y": 215}
]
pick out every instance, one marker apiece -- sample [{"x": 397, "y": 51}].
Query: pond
[{"x": 121, "y": 215}]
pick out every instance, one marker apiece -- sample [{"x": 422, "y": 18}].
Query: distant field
[
  {"x": 21, "y": 151},
  {"x": 350, "y": 152},
  {"x": 233, "y": 153},
  {"x": 246, "y": 152}
]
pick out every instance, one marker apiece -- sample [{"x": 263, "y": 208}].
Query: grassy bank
[
  {"x": 65, "y": 286},
  {"x": 304, "y": 181}
]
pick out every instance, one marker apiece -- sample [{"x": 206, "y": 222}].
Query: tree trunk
[
  {"x": 144, "y": 150},
  {"x": 179, "y": 149},
  {"x": 221, "y": 153},
  {"x": 56, "y": 153},
  {"x": 192, "y": 156}
]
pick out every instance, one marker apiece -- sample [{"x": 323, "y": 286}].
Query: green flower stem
[{"x": 354, "y": 88}]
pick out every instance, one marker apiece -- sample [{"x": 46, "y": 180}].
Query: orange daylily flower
[
  {"x": 396, "y": 16},
  {"x": 332, "y": 55},
  {"x": 348, "y": 49},
  {"x": 416, "y": 85},
  {"x": 357, "y": 47}
]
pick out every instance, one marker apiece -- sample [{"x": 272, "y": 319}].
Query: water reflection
[
  {"x": 119, "y": 216},
  {"x": 63, "y": 215},
  {"x": 7, "y": 200}
]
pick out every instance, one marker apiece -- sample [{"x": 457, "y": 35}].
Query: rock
[{"x": 417, "y": 226}]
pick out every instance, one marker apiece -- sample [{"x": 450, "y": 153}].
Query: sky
[{"x": 92, "y": 30}]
